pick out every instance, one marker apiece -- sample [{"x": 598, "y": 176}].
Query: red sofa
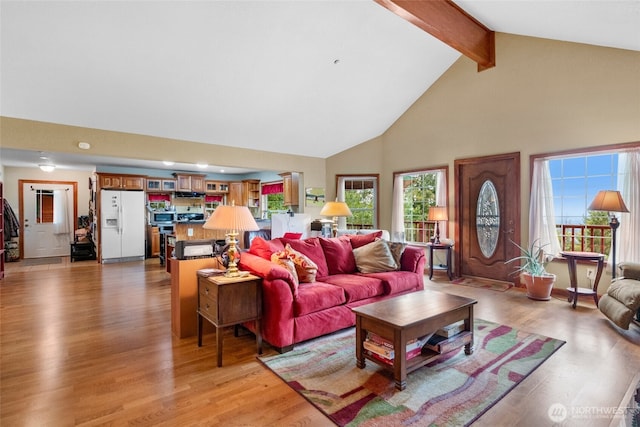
[{"x": 294, "y": 312}]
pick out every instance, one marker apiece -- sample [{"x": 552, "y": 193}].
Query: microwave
[{"x": 162, "y": 217}]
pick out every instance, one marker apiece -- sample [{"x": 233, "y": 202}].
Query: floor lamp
[{"x": 610, "y": 201}]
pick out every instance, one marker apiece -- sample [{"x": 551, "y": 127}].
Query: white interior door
[{"x": 48, "y": 219}]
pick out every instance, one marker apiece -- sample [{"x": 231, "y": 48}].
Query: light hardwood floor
[{"x": 89, "y": 344}]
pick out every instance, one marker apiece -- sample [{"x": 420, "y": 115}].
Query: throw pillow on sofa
[
  {"x": 313, "y": 250},
  {"x": 374, "y": 257},
  {"x": 396, "y": 248},
  {"x": 264, "y": 248},
  {"x": 305, "y": 268},
  {"x": 339, "y": 255},
  {"x": 358, "y": 240},
  {"x": 284, "y": 261}
]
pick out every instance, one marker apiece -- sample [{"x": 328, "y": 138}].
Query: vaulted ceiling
[{"x": 302, "y": 77}]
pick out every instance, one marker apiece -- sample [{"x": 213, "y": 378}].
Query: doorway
[
  {"x": 48, "y": 217},
  {"x": 488, "y": 212}
]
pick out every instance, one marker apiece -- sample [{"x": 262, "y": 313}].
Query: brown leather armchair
[{"x": 622, "y": 300}]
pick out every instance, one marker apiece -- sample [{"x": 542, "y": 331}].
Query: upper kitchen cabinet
[
  {"x": 216, "y": 187},
  {"x": 251, "y": 190},
  {"x": 190, "y": 182},
  {"x": 290, "y": 188},
  {"x": 235, "y": 194},
  {"x": 161, "y": 185},
  {"x": 121, "y": 182}
]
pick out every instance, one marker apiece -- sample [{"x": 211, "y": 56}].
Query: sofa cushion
[
  {"x": 374, "y": 257},
  {"x": 283, "y": 260},
  {"x": 316, "y": 296},
  {"x": 363, "y": 239},
  {"x": 339, "y": 255},
  {"x": 310, "y": 247},
  {"x": 306, "y": 269},
  {"x": 357, "y": 287},
  {"x": 395, "y": 282},
  {"x": 264, "y": 248}
]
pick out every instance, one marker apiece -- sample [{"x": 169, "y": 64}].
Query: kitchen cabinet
[
  {"x": 235, "y": 194},
  {"x": 169, "y": 185},
  {"x": 121, "y": 182},
  {"x": 161, "y": 185},
  {"x": 251, "y": 193},
  {"x": 153, "y": 241},
  {"x": 193, "y": 183},
  {"x": 216, "y": 187},
  {"x": 290, "y": 181}
]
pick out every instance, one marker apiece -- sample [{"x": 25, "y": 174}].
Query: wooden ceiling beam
[{"x": 447, "y": 22}]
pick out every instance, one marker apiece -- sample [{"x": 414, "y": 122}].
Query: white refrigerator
[{"x": 122, "y": 223}]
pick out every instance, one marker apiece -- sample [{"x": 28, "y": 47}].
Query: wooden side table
[
  {"x": 226, "y": 301},
  {"x": 572, "y": 262},
  {"x": 442, "y": 247}
]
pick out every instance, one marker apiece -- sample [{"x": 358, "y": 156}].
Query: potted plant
[{"x": 533, "y": 271}]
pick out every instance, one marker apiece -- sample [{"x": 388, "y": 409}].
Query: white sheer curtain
[
  {"x": 441, "y": 199},
  {"x": 60, "y": 212},
  {"x": 542, "y": 223},
  {"x": 342, "y": 221},
  {"x": 629, "y": 187},
  {"x": 397, "y": 210}
]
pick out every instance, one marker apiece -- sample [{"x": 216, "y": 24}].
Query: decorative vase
[{"x": 539, "y": 287}]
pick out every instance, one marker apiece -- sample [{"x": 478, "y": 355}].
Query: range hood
[{"x": 188, "y": 194}]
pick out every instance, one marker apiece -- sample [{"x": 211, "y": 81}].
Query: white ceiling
[{"x": 303, "y": 77}]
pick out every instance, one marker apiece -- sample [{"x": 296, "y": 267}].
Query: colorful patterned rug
[
  {"x": 453, "y": 391},
  {"x": 478, "y": 282}
]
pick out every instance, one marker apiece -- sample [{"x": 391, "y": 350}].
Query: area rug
[
  {"x": 477, "y": 282},
  {"x": 41, "y": 261},
  {"x": 452, "y": 391}
]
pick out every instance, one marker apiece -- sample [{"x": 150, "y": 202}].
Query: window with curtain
[
  {"x": 272, "y": 194},
  {"x": 564, "y": 185},
  {"x": 413, "y": 194},
  {"x": 360, "y": 193}
]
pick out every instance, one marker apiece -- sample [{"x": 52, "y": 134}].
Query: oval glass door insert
[{"x": 488, "y": 218}]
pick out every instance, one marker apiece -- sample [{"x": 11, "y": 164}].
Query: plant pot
[{"x": 539, "y": 287}]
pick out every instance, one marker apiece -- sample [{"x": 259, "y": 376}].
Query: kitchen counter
[{"x": 197, "y": 231}]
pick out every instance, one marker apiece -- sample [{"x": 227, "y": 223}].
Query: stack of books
[
  {"x": 444, "y": 340},
  {"x": 382, "y": 349}
]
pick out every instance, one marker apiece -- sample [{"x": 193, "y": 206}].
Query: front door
[
  {"x": 488, "y": 208},
  {"x": 47, "y": 212}
]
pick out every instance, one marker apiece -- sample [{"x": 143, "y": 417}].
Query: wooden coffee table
[{"x": 410, "y": 316}]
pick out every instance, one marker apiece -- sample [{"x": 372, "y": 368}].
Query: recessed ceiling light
[
  {"x": 84, "y": 145},
  {"x": 47, "y": 168},
  {"x": 168, "y": 163},
  {"x": 202, "y": 165},
  {"x": 221, "y": 170}
]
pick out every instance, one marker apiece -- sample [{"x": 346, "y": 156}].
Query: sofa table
[
  {"x": 227, "y": 301},
  {"x": 405, "y": 317},
  {"x": 572, "y": 261}
]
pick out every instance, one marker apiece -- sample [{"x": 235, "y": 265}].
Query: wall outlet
[
  {"x": 591, "y": 275},
  {"x": 190, "y": 232}
]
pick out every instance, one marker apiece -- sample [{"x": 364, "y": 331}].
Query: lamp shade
[
  {"x": 438, "y": 213},
  {"x": 336, "y": 209},
  {"x": 230, "y": 217},
  {"x": 608, "y": 200}
]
